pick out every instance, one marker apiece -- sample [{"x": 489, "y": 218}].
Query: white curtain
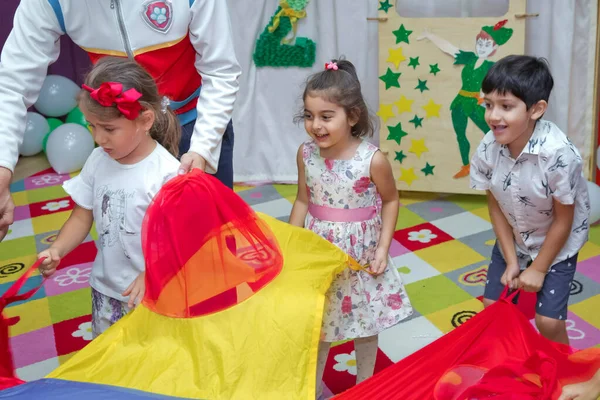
[
  {"x": 267, "y": 140},
  {"x": 565, "y": 34}
]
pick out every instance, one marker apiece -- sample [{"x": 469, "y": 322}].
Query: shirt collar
[{"x": 538, "y": 137}]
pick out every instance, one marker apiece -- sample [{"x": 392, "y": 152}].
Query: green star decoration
[
  {"x": 414, "y": 62},
  {"x": 385, "y": 5},
  {"x": 418, "y": 122},
  {"x": 422, "y": 86},
  {"x": 396, "y": 133},
  {"x": 400, "y": 156},
  {"x": 428, "y": 170},
  {"x": 391, "y": 79},
  {"x": 434, "y": 69},
  {"x": 402, "y": 34}
]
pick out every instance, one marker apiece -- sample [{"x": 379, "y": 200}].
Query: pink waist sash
[{"x": 342, "y": 214}]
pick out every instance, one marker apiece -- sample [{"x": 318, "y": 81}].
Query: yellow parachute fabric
[{"x": 263, "y": 348}]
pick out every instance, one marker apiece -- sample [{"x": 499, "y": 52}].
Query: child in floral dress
[{"x": 347, "y": 195}]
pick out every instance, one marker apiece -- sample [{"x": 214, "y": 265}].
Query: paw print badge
[{"x": 158, "y": 15}]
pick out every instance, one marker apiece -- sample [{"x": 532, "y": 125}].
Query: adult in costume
[{"x": 185, "y": 45}]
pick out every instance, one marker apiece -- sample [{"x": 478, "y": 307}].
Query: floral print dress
[{"x": 358, "y": 304}]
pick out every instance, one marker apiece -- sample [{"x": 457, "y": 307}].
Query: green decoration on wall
[
  {"x": 414, "y": 62},
  {"x": 391, "y": 79},
  {"x": 385, "y": 5},
  {"x": 498, "y": 32},
  {"x": 418, "y": 122},
  {"x": 396, "y": 133},
  {"x": 428, "y": 170},
  {"x": 400, "y": 156},
  {"x": 297, "y": 5},
  {"x": 434, "y": 69},
  {"x": 465, "y": 57},
  {"x": 274, "y": 50},
  {"x": 402, "y": 34},
  {"x": 422, "y": 86}
]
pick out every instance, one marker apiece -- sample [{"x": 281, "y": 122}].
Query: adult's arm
[
  {"x": 32, "y": 45},
  {"x": 211, "y": 36}
]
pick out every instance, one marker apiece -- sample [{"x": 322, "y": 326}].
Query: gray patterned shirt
[{"x": 549, "y": 167}]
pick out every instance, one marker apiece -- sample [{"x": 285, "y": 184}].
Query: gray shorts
[{"x": 552, "y": 299}]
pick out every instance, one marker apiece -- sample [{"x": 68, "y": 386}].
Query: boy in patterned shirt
[{"x": 537, "y": 194}]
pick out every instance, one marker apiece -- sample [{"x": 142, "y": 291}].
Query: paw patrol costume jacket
[{"x": 185, "y": 45}]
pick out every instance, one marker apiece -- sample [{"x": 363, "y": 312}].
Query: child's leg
[
  {"x": 105, "y": 312},
  {"x": 493, "y": 284},
  {"x": 552, "y": 329},
  {"x": 553, "y": 300},
  {"x": 321, "y": 361},
  {"x": 366, "y": 354}
]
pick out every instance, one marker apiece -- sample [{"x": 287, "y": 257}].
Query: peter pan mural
[{"x": 468, "y": 103}]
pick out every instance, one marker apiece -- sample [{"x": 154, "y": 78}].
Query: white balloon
[
  {"x": 68, "y": 147},
  {"x": 594, "y": 193},
  {"x": 37, "y": 127},
  {"x": 58, "y": 96}
]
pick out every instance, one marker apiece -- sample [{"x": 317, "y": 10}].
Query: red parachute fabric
[
  {"x": 193, "y": 268},
  {"x": 497, "y": 354},
  {"x": 7, "y": 373}
]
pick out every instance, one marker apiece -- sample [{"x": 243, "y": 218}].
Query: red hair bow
[
  {"x": 500, "y": 24},
  {"x": 110, "y": 93}
]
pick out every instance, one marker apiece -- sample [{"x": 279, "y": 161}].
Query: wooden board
[{"x": 426, "y": 158}]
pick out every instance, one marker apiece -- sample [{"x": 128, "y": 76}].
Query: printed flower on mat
[
  {"x": 361, "y": 185},
  {"x": 159, "y": 14},
  {"x": 84, "y": 331},
  {"x": 345, "y": 362},
  {"x": 46, "y": 180},
  {"x": 423, "y": 236},
  {"x": 56, "y": 205},
  {"x": 73, "y": 275}
]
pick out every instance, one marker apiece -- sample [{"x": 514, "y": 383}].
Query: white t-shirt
[
  {"x": 549, "y": 168},
  {"x": 119, "y": 196}
]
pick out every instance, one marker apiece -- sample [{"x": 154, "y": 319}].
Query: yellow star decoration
[
  {"x": 404, "y": 105},
  {"x": 408, "y": 176},
  {"x": 385, "y": 112},
  {"x": 396, "y": 57},
  {"x": 418, "y": 147},
  {"x": 432, "y": 109}
]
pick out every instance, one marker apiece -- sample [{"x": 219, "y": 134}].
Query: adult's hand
[
  {"x": 7, "y": 206},
  {"x": 191, "y": 160}
]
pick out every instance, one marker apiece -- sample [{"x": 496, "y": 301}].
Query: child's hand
[
  {"x": 136, "y": 290},
  {"x": 531, "y": 280},
  {"x": 580, "y": 391},
  {"x": 510, "y": 276},
  {"x": 380, "y": 262},
  {"x": 49, "y": 265}
]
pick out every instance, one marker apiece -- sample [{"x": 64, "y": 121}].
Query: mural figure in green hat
[{"x": 468, "y": 103}]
